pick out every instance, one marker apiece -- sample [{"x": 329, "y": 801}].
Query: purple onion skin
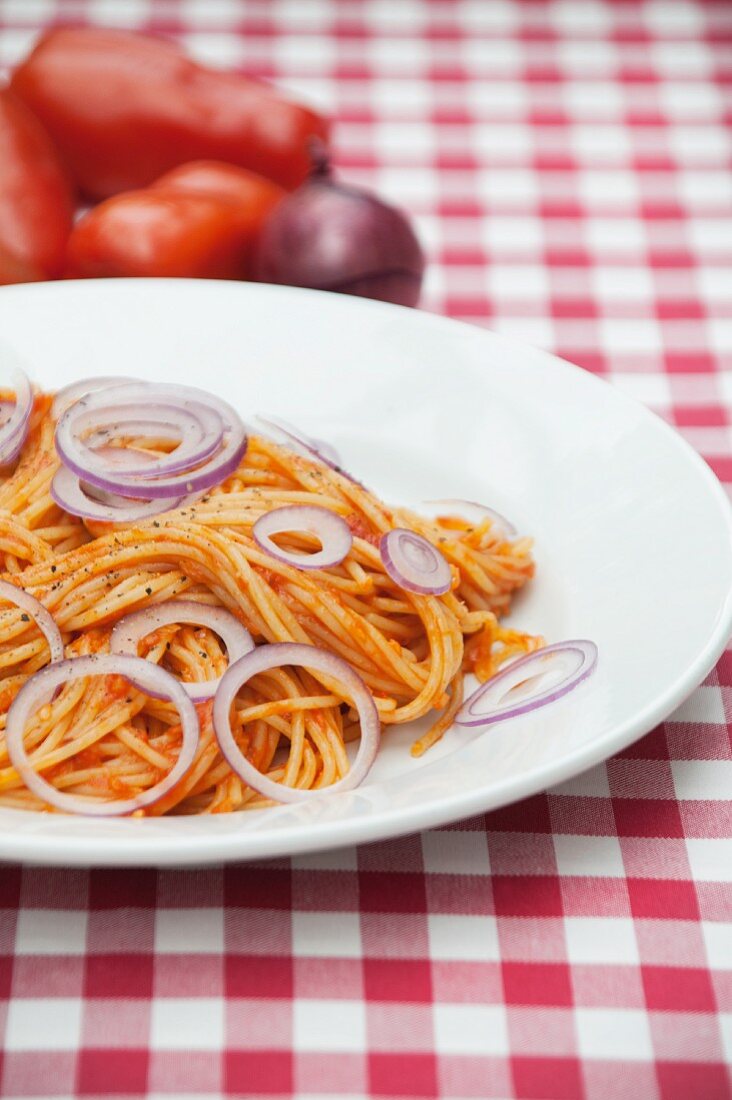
[{"x": 331, "y": 236}]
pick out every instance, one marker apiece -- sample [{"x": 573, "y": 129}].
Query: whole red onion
[{"x": 332, "y": 236}]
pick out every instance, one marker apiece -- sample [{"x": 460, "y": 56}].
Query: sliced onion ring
[
  {"x": 414, "y": 563},
  {"x": 146, "y": 676},
  {"x": 303, "y": 656},
  {"x": 573, "y": 660},
  {"x": 67, "y": 491},
  {"x": 43, "y": 618},
  {"x": 132, "y": 628},
  {"x": 15, "y": 428},
  {"x": 67, "y": 396},
  {"x": 199, "y": 432},
  {"x": 332, "y": 530},
  {"x": 315, "y": 448},
  {"x": 190, "y": 468},
  {"x": 482, "y": 511},
  {"x": 318, "y": 448}
]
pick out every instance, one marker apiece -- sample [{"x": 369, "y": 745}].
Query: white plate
[{"x": 633, "y": 532}]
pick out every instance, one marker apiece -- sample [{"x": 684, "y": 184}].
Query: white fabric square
[
  {"x": 611, "y": 235},
  {"x": 329, "y": 1025},
  {"x": 471, "y": 1029},
  {"x": 710, "y": 858},
  {"x": 36, "y": 1023},
  {"x": 51, "y": 932},
  {"x": 718, "y": 943},
  {"x": 607, "y": 186},
  {"x": 326, "y": 935},
  {"x": 187, "y": 1023},
  {"x": 589, "y": 855},
  {"x": 703, "y": 705},
  {"x": 472, "y": 938},
  {"x": 702, "y": 779},
  {"x": 111, "y": 13},
  {"x": 457, "y": 853},
  {"x": 511, "y": 233},
  {"x": 614, "y": 1034},
  {"x": 602, "y": 940},
  {"x": 189, "y": 931}
]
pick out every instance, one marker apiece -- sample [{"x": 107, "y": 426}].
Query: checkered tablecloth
[{"x": 569, "y": 165}]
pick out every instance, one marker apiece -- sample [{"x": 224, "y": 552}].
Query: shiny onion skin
[
  {"x": 123, "y": 108},
  {"x": 332, "y": 236}
]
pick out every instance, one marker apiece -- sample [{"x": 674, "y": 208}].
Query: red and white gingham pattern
[{"x": 569, "y": 167}]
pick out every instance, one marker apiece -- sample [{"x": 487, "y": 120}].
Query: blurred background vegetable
[
  {"x": 193, "y": 165},
  {"x": 123, "y": 108},
  {"x": 156, "y": 232},
  {"x": 332, "y": 236},
  {"x": 36, "y": 202}
]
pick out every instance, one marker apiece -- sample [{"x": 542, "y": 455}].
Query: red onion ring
[
  {"x": 71, "y": 393},
  {"x": 414, "y": 563},
  {"x": 15, "y": 429},
  {"x": 579, "y": 658},
  {"x": 302, "y": 656},
  {"x": 67, "y": 491},
  {"x": 333, "y": 531},
  {"x": 43, "y": 618},
  {"x": 483, "y": 512},
  {"x": 314, "y": 448},
  {"x": 132, "y": 628},
  {"x": 193, "y": 466},
  {"x": 199, "y": 432},
  {"x": 318, "y": 448},
  {"x": 144, "y": 675}
]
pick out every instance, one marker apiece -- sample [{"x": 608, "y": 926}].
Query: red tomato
[
  {"x": 35, "y": 198},
  {"x": 252, "y": 195},
  {"x": 156, "y": 232},
  {"x": 123, "y": 108}
]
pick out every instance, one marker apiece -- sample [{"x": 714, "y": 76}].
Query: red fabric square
[
  {"x": 258, "y": 1072},
  {"x": 258, "y": 976},
  {"x": 684, "y": 1080},
  {"x": 118, "y": 976},
  {"x": 257, "y": 888},
  {"x": 10, "y": 891},
  {"x": 129, "y": 889},
  {"x": 6, "y": 975},
  {"x": 647, "y": 817},
  {"x": 403, "y": 1075},
  {"x": 678, "y": 989},
  {"x": 529, "y": 816},
  {"x": 651, "y": 747},
  {"x": 112, "y": 1072},
  {"x": 547, "y": 1078},
  {"x": 397, "y": 980},
  {"x": 382, "y": 892},
  {"x": 537, "y": 983},
  {"x": 654, "y": 897},
  {"x": 527, "y": 895}
]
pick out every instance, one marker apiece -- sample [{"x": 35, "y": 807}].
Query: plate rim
[{"x": 87, "y": 850}]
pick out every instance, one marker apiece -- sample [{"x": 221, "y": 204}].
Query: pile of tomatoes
[{"x": 178, "y": 164}]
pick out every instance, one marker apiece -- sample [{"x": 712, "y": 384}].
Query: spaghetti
[{"x": 102, "y": 738}]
